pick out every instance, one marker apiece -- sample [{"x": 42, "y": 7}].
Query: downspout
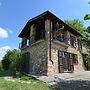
[{"x": 50, "y": 44}]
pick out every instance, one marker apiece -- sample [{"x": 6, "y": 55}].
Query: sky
[{"x": 14, "y": 14}]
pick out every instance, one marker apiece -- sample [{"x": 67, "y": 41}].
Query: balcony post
[
  {"x": 67, "y": 37},
  {"x": 32, "y": 33}
]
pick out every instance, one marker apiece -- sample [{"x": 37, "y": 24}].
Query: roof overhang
[{"x": 44, "y": 16}]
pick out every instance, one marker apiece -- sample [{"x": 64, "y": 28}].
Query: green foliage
[
  {"x": 6, "y": 64},
  {"x": 89, "y": 2},
  {"x": 5, "y": 73},
  {"x": 16, "y": 85},
  {"x": 87, "y": 17},
  {"x": 86, "y": 41},
  {"x": 12, "y": 60},
  {"x": 0, "y": 66},
  {"x": 88, "y": 29},
  {"x": 25, "y": 78},
  {"x": 77, "y": 25},
  {"x": 86, "y": 60}
]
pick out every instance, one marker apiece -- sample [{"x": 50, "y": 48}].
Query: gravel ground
[
  {"x": 72, "y": 85},
  {"x": 69, "y": 81}
]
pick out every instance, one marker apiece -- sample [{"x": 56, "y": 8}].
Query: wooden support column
[
  {"x": 67, "y": 37},
  {"x": 32, "y": 34}
]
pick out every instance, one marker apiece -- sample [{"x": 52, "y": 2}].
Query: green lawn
[{"x": 20, "y": 85}]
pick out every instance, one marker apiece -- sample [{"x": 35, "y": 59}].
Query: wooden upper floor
[{"x": 48, "y": 27}]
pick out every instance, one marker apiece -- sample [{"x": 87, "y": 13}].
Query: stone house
[{"x": 49, "y": 46}]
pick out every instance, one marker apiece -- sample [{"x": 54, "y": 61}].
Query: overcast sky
[{"x": 15, "y": 13}]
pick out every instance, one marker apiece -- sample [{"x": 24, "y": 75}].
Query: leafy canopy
[
  {"x": 87, "y": 16},
  {"x": 77, "y": 25},
  {"x": 11, "y": 60}
]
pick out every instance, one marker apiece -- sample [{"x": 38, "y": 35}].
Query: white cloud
[
  {"x": 3, "y": 33},
  {"x": 3, "y": 51}
]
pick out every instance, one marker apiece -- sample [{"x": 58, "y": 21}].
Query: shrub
[
  {"x": 0, "y": 66},
  {"x": 86, "y": 60},
  {"x": 6, "y": 64},
  {"x": 25, "y": 78}
]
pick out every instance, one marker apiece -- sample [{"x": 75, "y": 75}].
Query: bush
[
  {"x": 6, "y": 64},
  {"x": 25, "y": 78},
  {"x": 0, "y": 66},
  {"x": 86, "y": 60},
  {"x": 12, "y": 60}
]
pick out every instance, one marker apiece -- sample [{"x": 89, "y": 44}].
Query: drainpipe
[{"x": 50, "y": 43}]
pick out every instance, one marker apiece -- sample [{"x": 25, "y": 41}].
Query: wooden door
[
  {"x": 25, "y": 64},
  {"x": 60, "y": 62},
  {"x": 70, "y": 62},
  {"x": 65, "y": 62}
]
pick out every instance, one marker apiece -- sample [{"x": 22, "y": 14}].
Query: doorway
[{"x": 65, "y": 62}]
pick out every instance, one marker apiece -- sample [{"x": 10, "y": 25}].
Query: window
[
  {"x": 25, "y": 60},
  {"x": 73, "y": 41},
  {"x": 75, "y": 58},
  {"x": 66, "y": 61}
]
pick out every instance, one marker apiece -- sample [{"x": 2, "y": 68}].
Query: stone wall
[
  {"x": 38, "y": 57},
  {"x": 70, "y": 49},
  {"x": 57, "y": 45},
  {"x": 80, "y": 65},
  {"x": 42, "y": 60},
  {"x": 54, "y": 57}
]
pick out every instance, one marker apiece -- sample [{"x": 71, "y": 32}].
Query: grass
[{"x": 18, "y": 84}]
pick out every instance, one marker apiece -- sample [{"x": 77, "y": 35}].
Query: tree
[
  {"x": 87, "y": 16},
  {"x": 11, "y": 60},
  {"x": 77, "y": 25}
]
